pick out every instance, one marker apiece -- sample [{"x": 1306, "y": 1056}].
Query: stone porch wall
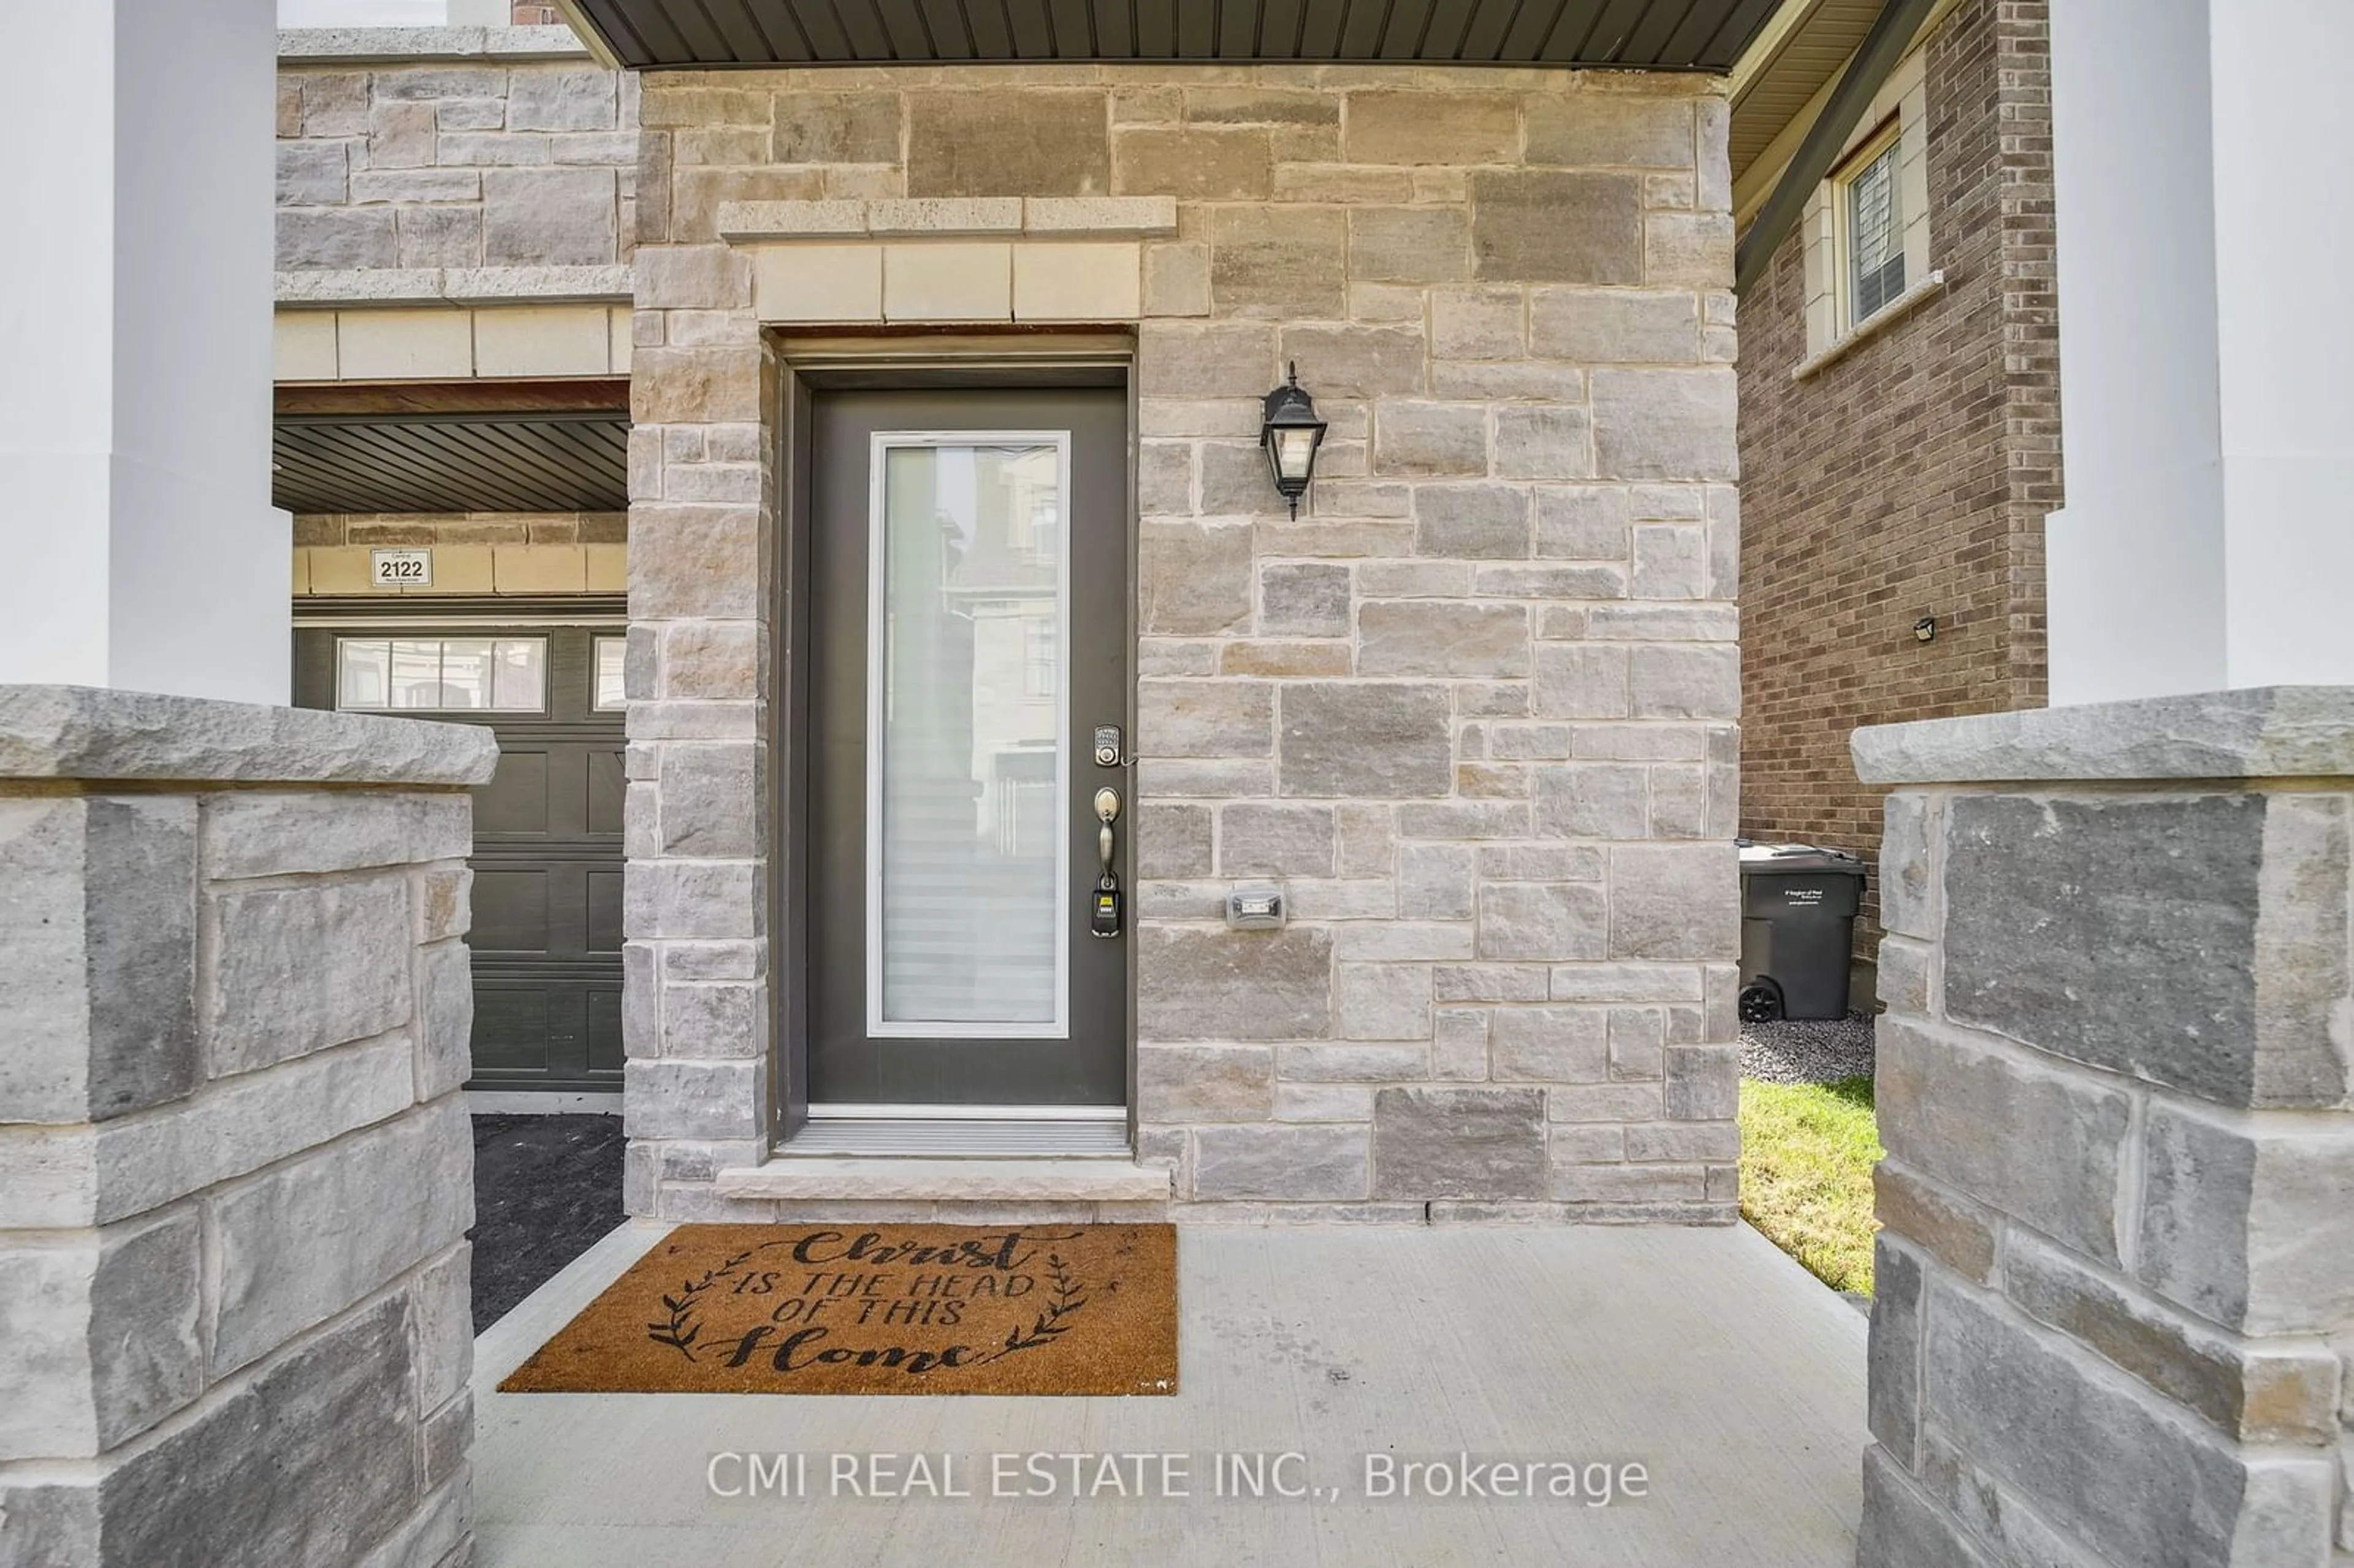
[
  {"x": 494, "y": 156},
  {"x": 236, "y": 1173},
  {"x": 2116, "y": 1281},
  {"x": 1474, "y": 707}
]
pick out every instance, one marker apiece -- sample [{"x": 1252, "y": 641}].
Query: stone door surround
[{"x": 994, "y": 259}]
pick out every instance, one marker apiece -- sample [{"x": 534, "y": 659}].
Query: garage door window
[
  {"x": 611, "y": 654},
  {"x": 442, "y": 674}
]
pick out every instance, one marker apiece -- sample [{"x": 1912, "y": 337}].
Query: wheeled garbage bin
[{"x": 1798, "y": 927}]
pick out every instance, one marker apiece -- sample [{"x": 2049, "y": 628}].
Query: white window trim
[{"x": 1831, "y": 329}]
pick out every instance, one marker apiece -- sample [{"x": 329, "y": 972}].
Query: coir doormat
[{"x": 878, "y": 1310}]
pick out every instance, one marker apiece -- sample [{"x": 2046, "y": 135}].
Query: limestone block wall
[
  {"x": 1475, "y": 706},
  {"x": 2117, "y": 1276},
  {"x": 236, "y": 1171},
  {"x": 473, "y": 552},
  {"x": 502, "y": 148}
]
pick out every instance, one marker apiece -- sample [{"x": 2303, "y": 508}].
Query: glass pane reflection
[{"x": 969, "y": 810}]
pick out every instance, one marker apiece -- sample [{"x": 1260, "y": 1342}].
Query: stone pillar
[
  {"x": 236, "y": 1172},
  {"x": 2116, "y": 1280},
  {"x": 2210, "y": 420},
  {"x": 142, "y": 550}
]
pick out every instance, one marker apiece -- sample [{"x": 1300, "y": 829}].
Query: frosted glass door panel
[{"x": 968, "y": 932}]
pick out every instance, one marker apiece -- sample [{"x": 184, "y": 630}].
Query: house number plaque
[{"x": 400, "y": 568}]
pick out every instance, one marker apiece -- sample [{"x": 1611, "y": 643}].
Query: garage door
[{"x": 546, "y": 939}]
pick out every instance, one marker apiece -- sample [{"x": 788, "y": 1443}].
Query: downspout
[{"x": 1867, "y": 72}]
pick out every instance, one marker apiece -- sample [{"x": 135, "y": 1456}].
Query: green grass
[{"x": 1807, "y": 1154}]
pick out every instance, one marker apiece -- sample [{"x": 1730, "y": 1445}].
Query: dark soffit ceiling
[
  {"x": 563, "y": 462},
  {"x": 1656, "y": 35}
]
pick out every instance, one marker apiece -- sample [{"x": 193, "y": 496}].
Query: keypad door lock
[{"x": 1111, "y": 745}]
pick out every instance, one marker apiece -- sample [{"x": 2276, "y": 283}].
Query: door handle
[
  {"x": 1104, "y": 920},
  {"x": 1106, "y": 812}
]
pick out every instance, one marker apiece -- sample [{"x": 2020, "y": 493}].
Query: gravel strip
[{"x": 1809, "y": 1052}]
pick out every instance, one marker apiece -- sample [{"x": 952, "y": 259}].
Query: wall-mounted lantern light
[{"x": 1293, "y": 433}]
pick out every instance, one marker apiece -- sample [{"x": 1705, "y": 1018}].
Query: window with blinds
[
  {"x": 1875, "y": 233},
  {"x": 968, "y": 926}
]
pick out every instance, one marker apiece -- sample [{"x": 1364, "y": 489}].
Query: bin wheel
[{"x": 1761, "y": 1002}]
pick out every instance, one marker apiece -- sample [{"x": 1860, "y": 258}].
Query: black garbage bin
[{"x": 1798, "y": 928}]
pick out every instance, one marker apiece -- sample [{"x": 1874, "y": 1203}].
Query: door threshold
[
  {"x": 961, "y": 1137},
  {"x": 895, "y": 1179}
]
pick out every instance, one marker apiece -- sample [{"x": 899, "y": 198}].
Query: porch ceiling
[
  {"x": 1661, "y": 35},
  {"x": 472, "y": 446},
  {"x": 446, "y": 462}
]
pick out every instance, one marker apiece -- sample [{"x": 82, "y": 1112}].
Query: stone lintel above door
[{"x": 997, "y": 259}]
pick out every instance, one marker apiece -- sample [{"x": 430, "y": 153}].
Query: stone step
[{"x": 941, "y": 1179}]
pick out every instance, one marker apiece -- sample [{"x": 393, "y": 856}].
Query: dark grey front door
[
  {"x": 547, "y": 936},
  {"x": 967, "y": 631}
]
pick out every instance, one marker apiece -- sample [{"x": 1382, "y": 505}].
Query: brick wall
[
  {"x": 456, "y": 163},
  {"x": 1910, "y": 477}
]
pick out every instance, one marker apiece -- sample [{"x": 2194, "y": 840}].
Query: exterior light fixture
[{"x": 1293, "y": 433}]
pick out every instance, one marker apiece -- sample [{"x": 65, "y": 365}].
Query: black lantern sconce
[{"x": 1293, "y": 433}]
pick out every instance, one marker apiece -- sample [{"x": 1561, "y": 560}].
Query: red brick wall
[
  {"x": 528, "y": 15},
  {"x": 1910, "y": 478}
]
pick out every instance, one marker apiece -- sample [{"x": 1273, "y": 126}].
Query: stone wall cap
[
  {"x": 95, "y": 734},
  {"x": 345, "y": 288},
  {"x": 2260, "y": 731},
  {"x": 396, "y": 45}
]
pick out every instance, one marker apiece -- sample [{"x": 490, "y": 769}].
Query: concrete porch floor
[{"x": 1706, "y": 1355}]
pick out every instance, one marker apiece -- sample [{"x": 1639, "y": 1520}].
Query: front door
[{"x": 968, "y": 633}]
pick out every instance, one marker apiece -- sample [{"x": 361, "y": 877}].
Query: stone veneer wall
[
  {"x": 236, "y": 1173},
  {"x": 1911, "y": 476},
  {"x": 473, "y": 552},
  {"x": 1475, "y": 706},
  {"x": 2117, "y": 1278},
  {"x": 474, "y": 161}
]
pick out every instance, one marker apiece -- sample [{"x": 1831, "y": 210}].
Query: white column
[
  {"x": 138, "y": 548},
  {"x": 2206, "y": 225}
]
